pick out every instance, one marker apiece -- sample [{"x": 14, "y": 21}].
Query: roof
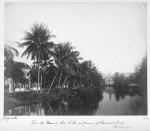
[
  {"x": 23, "y": 65},
  {"x": 109, "y": 77}
]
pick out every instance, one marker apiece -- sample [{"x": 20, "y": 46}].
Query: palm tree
[
  {"x": 89, "y": 74},
  {"x": 74, "y": 65},
  {"x": 63, "y": 57},
  {"x": 63, "y": 53},
  {"x": 9, "y": 51},
  {"x": 38, "y": 45}
]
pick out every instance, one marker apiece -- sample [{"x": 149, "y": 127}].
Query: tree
[
  {"x": 63, "y": 52},
  {"x": 89, "y": 75},
  {"x": 9, "y": 51},
  {"x": 14, "y": 71},
  {"x": 38, "y": 45},
  {"x": 72, "y": 69},
  {"x": 141, "y": 78}
]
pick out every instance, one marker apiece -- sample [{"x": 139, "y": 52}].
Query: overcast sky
[{"x": 112, "y": 35}]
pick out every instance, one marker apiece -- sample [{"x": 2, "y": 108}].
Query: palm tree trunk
[
  {"x": 41, "y": 84},
  {"x": 74, "y": 83},
  {"x": 60, "y": 78},
  {"x": 14, "y": 88},
  {"x": 38, "y": 78},
  {"x": 44, "y": 81},
  {"x": 65, "y": 80},
  {"x": 52, "y": 83}
]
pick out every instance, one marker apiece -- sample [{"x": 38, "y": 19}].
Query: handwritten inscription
[
  {"x": 7, "y": 118},
  {"x": 145, "y": 118},
  {"x": 118, "y": 126},
  {"x": 115, "y": 124}
]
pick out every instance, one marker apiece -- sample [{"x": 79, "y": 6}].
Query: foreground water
[{"x": 106, "y": 102}]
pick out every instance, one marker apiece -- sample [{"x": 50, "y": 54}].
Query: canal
[{"x": 109, "y": 101}]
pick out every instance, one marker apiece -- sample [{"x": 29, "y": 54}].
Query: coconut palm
[
  {"x": 38, "y": 45},
  {"x": 63, "y": 53},
  {"x": 73, "y": 71},
  {"x": 63, "y": 57}
]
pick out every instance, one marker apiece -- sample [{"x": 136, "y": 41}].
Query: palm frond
[{"x": 10, "y": 52}]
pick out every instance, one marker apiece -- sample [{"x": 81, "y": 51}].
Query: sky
[{"x": 112, "y": 35}]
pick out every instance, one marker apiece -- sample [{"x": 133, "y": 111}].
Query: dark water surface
[{"x": 109, "y": 101}]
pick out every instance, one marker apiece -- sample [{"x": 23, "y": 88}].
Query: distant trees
[
  {"x": 141, "y": 78},
  {"x": 119, "y": 79},
  {"x": 138, "y": 77},
  {"x": 140, "y": 74}
]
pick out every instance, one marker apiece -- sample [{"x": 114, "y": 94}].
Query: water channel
[{"x": 108, "y": 101}]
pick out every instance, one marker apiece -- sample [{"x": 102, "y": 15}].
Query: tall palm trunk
[
  {"x": 41, "y": 84},
  {"x": 14, "y": 88},
  {"x": 38, "y": 78},
  {"x": 38, "y": 73},
  {"x": 65, "y": 80},
  {"x": 74, "y": 82},
  {"x": 44, "y": 81},
  {"x": 52, "y": 82},
  {"x": 60, "y": 78}
]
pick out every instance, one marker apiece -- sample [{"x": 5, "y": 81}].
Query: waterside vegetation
[{"x": 61, "y": 72}]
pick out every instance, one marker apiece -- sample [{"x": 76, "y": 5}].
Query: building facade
[{"x": 109, "y": 80}]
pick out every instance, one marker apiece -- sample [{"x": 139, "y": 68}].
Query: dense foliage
[{"x": 14, "y": 70}]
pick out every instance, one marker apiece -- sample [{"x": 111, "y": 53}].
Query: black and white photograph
[{"x": 72, "y": 59}]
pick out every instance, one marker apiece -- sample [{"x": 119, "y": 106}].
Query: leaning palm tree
[{"x": 38, "y": 45}]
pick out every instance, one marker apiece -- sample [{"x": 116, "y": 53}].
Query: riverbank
[{"x": 12, "y": 100}]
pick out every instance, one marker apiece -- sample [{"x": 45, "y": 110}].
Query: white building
[{"x": 109, "y": 80}]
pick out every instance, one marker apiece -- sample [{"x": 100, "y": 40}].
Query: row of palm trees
[{"x": 57, "y": 64}]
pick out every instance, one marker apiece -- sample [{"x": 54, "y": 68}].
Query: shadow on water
[
  {"x": 78, "y": 103},
  {"x": 109, "y": 101}
]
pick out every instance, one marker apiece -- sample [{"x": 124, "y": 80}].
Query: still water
[{"x": 108, "y": 101}]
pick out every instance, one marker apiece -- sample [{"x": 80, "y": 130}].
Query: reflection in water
[
  {"x": 27, "y": 110},
  {"x": 110, "y": 101},
  {"x": 117, "y": 101}
]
